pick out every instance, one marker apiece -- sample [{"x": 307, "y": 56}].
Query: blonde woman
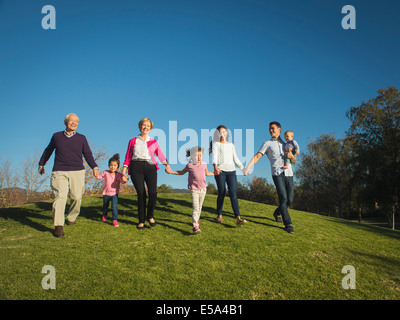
[{"x": 141, "y": 164}]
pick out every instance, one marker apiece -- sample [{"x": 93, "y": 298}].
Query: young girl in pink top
[
  {"x": 112, "y": 180},
  {"x": 197, "y": 183}
]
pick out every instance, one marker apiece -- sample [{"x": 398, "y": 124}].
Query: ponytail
[{"x": 115, "y": 158}]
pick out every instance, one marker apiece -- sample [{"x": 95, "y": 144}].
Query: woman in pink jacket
[{"x": 142, "y": 166}]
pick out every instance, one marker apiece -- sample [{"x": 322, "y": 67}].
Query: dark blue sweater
[{"x": 69, "y": 151}]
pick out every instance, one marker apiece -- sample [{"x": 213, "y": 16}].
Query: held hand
[
  {"x": 96, "y": 172},
  {"x": 246, "y": 171},
  {"x": 168, "y": 169},
  {"x": 217, "y": 171}
]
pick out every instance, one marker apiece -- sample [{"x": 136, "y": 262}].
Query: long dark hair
[{"x": 216, "y": 134}]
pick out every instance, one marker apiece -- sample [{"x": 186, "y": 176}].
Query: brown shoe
[
  {"x": 70, "y": 223},
  {"x": 59, "y": 232}
]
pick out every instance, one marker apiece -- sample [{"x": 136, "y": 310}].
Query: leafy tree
[
  {"x": 211, "y": 189},
  {"x": 262, "y": 191},
  {"x": 324, "y": 171},
  {"x": 375, "y": 134},
  {"x": 164, "y": 189},
  {"x": 258, "y": 190}
]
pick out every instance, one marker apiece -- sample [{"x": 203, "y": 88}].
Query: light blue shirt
[{"x": 274, "y": 149}]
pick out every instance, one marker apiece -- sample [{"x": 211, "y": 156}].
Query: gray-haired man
[{"x": 68, "y": 176}]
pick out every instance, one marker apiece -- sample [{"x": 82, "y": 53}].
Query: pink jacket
[
  {"x": 111, "y": 182},
  {"x": 152, "y": 146}
]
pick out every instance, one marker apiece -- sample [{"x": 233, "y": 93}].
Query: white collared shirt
[
  {"x": 274, "y": 149},
  {"x": 140, "y": 150},
  {"x": 69, "y": 135}
]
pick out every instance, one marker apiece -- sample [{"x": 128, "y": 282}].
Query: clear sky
[{"x": 190, "y": 64}]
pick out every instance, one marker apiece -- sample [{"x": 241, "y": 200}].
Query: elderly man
[
  {"x": 68, "y": 176},
  {"x": 283, "y": 179}
]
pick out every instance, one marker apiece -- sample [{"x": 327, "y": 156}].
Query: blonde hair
[
  {"x": 144, "y": 120},
  {"x": 66, "y": 119}
]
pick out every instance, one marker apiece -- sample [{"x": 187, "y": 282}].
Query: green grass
[{"x": 256, "y": 261}]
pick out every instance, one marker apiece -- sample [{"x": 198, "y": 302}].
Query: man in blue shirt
[{"x": 283, "y": 178}]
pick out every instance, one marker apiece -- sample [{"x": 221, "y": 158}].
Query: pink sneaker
[
  {"x": 115, "y": 223},
  {"x": 104, "y": 218},
  {"x": 196, "y": 230}
]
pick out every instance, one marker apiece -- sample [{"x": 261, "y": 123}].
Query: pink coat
[{"x": 152, "y": 146}]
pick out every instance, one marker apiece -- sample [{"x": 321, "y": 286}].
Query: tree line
[{"x": 359, "y": 173}]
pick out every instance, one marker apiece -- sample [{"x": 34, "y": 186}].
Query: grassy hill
[{"x": 256, "y": 261}]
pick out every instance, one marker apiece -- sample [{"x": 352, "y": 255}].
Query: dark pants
[
  {"x": 143, "y": 172},
  {"x": 285, "y": 188},
  {"x": 114, "y": 205},
  {"x": 229, "y": 178}
]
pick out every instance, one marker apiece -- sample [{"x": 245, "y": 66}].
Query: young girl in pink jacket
[{"x": 112, "y": 181}]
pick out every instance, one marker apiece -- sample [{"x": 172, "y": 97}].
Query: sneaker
[
  {"x": 289, "y": 229},
  {"x": 196, "y": 230},
  {"x": 59, "y": 232},
  {"x": 104, "y": 218},
  {"x": 115, "y": 223},
  {"x": 277, "y": 217}
]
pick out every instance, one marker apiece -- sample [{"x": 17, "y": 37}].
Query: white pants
[
  {"x": 198, "y": 196},
  {"x": 67, "y": 184}
]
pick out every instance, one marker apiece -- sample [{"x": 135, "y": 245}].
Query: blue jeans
[
  {"x": 114, "y": 205},
  {"x": 229, "y": 178},
  {"x": 285, "y": 188}
]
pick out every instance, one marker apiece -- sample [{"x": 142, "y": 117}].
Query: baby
[{"x": 291, "y": 145}]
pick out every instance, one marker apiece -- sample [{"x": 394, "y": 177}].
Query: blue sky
[{"x": 241, "y": 63}]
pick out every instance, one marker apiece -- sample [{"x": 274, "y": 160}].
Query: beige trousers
[
  {"x": 198, "y": 196},
  {"x": 67, "y": 184}
]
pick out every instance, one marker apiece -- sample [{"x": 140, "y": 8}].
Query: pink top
[
  {"x": 197, "y": 176},
  {"x": 152, "y": 146},
  {"x": 111, "y": 182}
]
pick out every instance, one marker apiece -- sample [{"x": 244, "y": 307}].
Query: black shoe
[
  {"x": 152, "y": 224},
  {"x": 289, "y": 229},
  {"x": 59, "y": 232},
  {"x": 277, "y": 218},
  {"x": 70, "y": 223}
]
